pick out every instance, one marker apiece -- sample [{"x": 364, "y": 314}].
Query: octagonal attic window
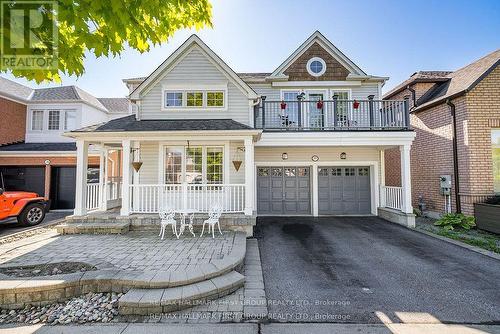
[{"x": 316, "y": 66}]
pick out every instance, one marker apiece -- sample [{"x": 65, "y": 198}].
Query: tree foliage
[{"x": 105, "y": 28}]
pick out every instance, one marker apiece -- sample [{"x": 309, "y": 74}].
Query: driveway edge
[
  {"x": 28, "y": 233},
  {"x": 488, "y": 253}
]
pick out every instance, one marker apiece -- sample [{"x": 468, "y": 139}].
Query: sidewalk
[{"x": 253, "y": 329}]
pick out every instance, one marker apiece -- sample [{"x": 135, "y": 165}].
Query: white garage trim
[{"x": 374, "y": 178}]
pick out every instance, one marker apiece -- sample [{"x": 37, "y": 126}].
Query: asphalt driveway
[{"x": 362, "y": 270}]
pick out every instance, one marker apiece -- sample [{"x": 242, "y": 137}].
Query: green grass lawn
[{"x": 474, "y": 237}]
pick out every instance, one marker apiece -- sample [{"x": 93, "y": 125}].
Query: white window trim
[
  {"x": 60, "y": 127},
  {"x": 308, "y": 66},
  {"x": 335, "y": 90},
  {"x": 225, "y": 160},
  {"x": 31, "y": 120},
  {"x": 184, "y": 89}
]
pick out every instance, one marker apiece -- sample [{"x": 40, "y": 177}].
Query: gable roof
[
  {"x": 14, "y": 91},
  {"x": 317, "y": 37},
  {"x": 66, "y": 94},
  {"x": 115, "y": 104},
  {"x": 461, "y": 81},
  {"x": 420, "y": 76},
  {"x": 179, "y": 54}
]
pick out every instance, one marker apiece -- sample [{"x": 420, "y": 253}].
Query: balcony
[{"x": 332, "y": 115}]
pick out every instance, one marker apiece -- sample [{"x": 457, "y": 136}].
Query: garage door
[
  {"x": 283, "y": 190},
  {"x": 24, "y": 178},
  {"x": 344, "y": 190},
  {"x": 62, "y": 191}
]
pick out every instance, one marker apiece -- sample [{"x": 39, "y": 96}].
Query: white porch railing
[
  {"x": 149, "y": 198},
  {"x": 392, "y": 197},
  {"x": 93, "y": 190},
  {"x": 113, "y": 190}
]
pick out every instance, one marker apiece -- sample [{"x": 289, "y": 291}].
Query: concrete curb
[
  {"x": 29, "y": 231},
  {"x": 488, "y": 253}
]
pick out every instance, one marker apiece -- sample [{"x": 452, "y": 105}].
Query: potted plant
[{"x": 488, "y": 214}]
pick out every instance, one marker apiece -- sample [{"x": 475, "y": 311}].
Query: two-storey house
[
  {"x": 306, "y": 139},
  {"x": 34, "y": 155}
]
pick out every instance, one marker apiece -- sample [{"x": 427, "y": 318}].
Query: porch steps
[
  {"x": 109, "y": 227},
  {"x": 147, "y": 301}
]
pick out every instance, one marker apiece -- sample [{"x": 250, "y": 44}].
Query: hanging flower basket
[
  {"x": 137, "y": 165},
  {"x": 319, "y": 104},
  {"x": 355, "y": 104},
  {"x": 237, "y": 164},
  {"x": 283, "y": 105}
]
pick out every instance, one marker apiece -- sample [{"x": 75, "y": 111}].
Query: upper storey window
[
  {"x": 316, "y": 66},
  {"x": 198, "y": 98},
  {"x": 37, "y": 120}
]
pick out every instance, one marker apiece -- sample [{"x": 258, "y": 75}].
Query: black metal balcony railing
[{"x": 332, "y": 115}]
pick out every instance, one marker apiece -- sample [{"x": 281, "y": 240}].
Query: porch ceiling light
[
  {"x": 237, "y": 161},
  {"x": 137, "y": 165},
  {"x": 284, "y": 156}
]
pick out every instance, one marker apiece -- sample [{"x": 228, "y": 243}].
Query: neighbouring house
[
  {"x": 306, "y": 139},
  {"x": 456, "y": 117},
  {"x": 34, "y": 156}
]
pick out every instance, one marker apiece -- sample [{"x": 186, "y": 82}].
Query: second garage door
[
  {"x": 344, "y": 191},
  {"x": 283, "y": 190}
]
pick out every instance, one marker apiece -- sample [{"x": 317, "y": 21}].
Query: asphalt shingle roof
[
  {"x": 420, "y": 76},
  {"x": 115, "y": 104},
  {"x": 14, "y": 90},
  {"x": 66, "y": 93},
  {"x": 61, "y": 147},
  {"x": 129, "y": 123}
]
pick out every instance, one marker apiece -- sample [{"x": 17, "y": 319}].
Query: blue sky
[{"x": 386, "y": 38}]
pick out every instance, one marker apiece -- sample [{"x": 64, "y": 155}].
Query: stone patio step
[
  {"x": 147, "y": 301},
  {"x": 109, "y": 227}
]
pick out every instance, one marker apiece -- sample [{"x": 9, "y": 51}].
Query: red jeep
[{"x": 29, "y": 208}]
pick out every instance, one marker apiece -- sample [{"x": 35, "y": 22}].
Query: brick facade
[
  {"x": 432, "y": 151},
  {"x": 13, "y": 124},
  {"x": 297, "y": 71}
]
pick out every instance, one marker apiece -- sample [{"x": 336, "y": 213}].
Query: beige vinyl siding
[
  {"x": 148, "y": 174},
  {"x": 362, "y": 92},
  {"x": 265, "y": 89},
  {"x": 196, "y": 69}
]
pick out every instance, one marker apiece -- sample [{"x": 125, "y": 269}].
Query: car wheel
[{"x": 32, "y": 214}]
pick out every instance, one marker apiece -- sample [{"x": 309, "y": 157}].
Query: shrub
[{"x": 452, "y": 221}]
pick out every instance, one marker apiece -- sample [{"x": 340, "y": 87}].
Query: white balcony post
[
  {"x": 249, "y": 176},
  {"x": 82, "y": 156},
  {"x": 405, "y": 178},
  {"x": 125, "y": 210}
]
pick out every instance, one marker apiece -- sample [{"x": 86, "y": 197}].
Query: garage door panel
[{"x": 287, "y": 190}]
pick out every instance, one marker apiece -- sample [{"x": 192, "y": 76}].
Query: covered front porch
[{"x": 192, "y": 171}]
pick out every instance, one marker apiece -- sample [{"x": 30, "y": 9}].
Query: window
[
  {"x": 316, "y": 66},
  {"x": 37, "y": 120},
  {"x": 69, "y": 120},
  {"x": 495, "y": 150},
  {"x": 263, "y": 171},
  {"x": 194, "y": 165},
  {"x": 215, "y": 99},
  {"x": 54, "y": 119},
  {"x": 215, "y": 165},
  {"x": 173, "y": 165},
  {"x": 173, "y": 99},
  {"x": 194, "y": 99}
]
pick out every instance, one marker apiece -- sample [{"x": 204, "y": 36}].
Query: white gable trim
[
  {"x": 328, "y": 46},
  {"x": 178, "y": 55}
]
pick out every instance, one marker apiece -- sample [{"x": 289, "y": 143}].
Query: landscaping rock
[{"x": 92, "y": 307}]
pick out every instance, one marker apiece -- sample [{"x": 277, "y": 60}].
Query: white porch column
[
  {"x": 405, "y": 178},
  {"x": 382, "y": 179},
  {"x": 82, "y": 156},
  {"x": 249, "y": 176},
  {"x": 125, "y": 210},
  {"x": 102, "y": 183}
]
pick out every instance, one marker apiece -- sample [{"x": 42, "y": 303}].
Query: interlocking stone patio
[{"x": 134, "y": 251}]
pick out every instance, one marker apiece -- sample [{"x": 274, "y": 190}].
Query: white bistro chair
[
  {"x": 167, "y": 218},
  {"x": 213, "y": 218}
]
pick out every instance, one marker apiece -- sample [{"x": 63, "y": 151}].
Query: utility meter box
[{"x": 445, "y": 185}]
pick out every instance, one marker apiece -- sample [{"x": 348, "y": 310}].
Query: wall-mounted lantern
[
  {"x": 284, "y": 156},
  {"x": 343, "y": 155}
]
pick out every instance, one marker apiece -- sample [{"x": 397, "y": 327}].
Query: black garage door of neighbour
[
  {"x": 62, "y": 188},
  {"x": 344, "y": 190},
  {"x": 30, "y": 179},
  {"x": 283, "y": 190}
]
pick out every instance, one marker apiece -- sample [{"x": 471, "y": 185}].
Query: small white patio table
[{"x": 185, "y": 213}]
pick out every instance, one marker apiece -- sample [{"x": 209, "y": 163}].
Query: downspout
[
  {"x": 413, "y": 95},
  {"x": 455, "y": 155}
]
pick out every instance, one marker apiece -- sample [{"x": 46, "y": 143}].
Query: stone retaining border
[{"x": 42, "y": 290}]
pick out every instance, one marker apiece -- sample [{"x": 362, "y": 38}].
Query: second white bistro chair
[
  {"x": 167, "y": 218},
  {"x": 213, "y": 218}
]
